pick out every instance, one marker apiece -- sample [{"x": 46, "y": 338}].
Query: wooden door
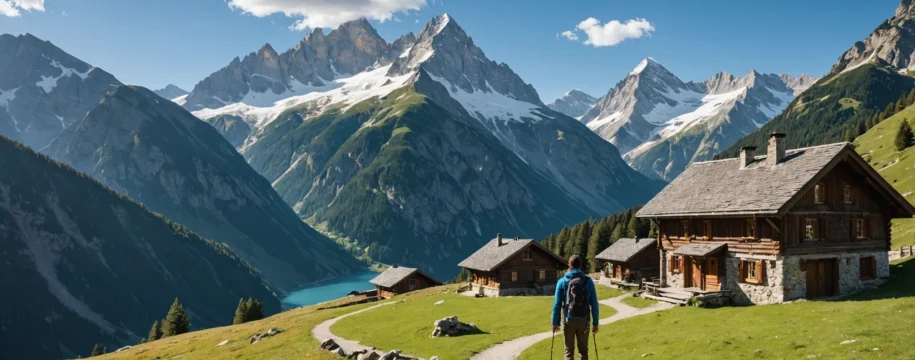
[
  {"x": 618, "y": 271},
  {"x": 711, "y": 277},
  {"x": 822, "y": 278},
  {"x": 697, "y": 273}
]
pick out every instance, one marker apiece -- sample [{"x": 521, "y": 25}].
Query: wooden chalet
[
  {"x": 398, "y": 280},
  {"x": 630, "y": 260},
  {"x": 505, "y": 267},
  {"x": 803, "y": 223}
]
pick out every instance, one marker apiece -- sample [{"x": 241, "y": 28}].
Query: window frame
[
  {"x": 541, "y": 274},
  {"x": 411, "y": 284},
  {"x": 676, "y": 263},
  {"x": 707, "y": 229},
  {"x": 867, "y": 268},
  {"x": 757, "y": 266},
  {"x": 847, "y": 194},
  {"x": 815, "y": 229},
  {"x": 819, "y": 193},
  {"x": 514, "y": 276},
  {"x": 527, "y": 255},
  {"x": 749, "y": 228},
  {"x": 684, "y": 229},
  {"x": 863, "y": 228}
]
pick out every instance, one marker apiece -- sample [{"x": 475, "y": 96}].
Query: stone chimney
[
  {"x": 747, "y": 153},
  {"x": 499, "y": 239},
  {"x": 776, "y": 151}
]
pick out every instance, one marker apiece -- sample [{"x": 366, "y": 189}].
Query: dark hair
[{"x": 575, "y": 262}]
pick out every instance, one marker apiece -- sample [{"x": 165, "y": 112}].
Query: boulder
[
  {"x": 369, "y": 356},
  {"x": 258, "y": 337},
  {"x": 391, "y": 355},
  {"x": 450, "y": 326},
  {"x": 328, "y": 344}
]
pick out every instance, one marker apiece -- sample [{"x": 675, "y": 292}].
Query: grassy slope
[
  {"x": 296, "y": 342},
  {"x": 880, "y": 319},
  {"x": 501, "y": 318},
  {"x": 639, "y": 302},
  {"x": 898, "y": 168}
]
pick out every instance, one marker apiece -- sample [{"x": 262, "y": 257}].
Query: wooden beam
[{"x": 772, "y": 224}]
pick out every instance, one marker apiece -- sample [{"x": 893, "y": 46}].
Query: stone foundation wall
[
  {"x": 536, "y": 291},
  {"x": 671, "y": 279},
  {"x": 770, "y": 291},
  {"x": 849, "y": 273}
]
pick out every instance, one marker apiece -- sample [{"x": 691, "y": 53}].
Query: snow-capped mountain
[
  {"x": 427, "y": 151},
  {"x": 574, "y": 103},
  {"x": 171, "y": 92},
  {"x": 43, "y": 89},
  {"x": 662, "y": 124},
  {"x": 892, "y": 43}
]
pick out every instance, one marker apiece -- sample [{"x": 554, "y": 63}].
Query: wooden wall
[
  {"x": 731, "y": 230},
  {"x": 527, "y": 271}
]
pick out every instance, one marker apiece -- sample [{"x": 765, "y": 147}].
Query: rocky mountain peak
[
  {"x": 170, "y": 92},
  {"x": 891, "y": 44},
  {"x": 573, "y": 103},
  {"x": 647, "y": 64}
]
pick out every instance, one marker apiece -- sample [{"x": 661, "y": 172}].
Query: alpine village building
[
  {"x": 398, "y": 280},
  {"x": 506, "y": 267},
  {"x": 804, "y": 223},
  {"x": 629, "y": 261}
]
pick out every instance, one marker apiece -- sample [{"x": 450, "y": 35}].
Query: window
[
  {"x": 846, "y": 194},
  {"x": 868, "y": 268},
  {"x": 859, "y": 228},
  {"x": 486, "y": 280},
  {"x": 514, "y": 276},
  {"x": 675, "y": 263},
  {"x": 752, "y": 271},
  {"x": 527, "y": 255},
  {"x": 708, "y": 230},
  {"x": 541, "y": 274},
  {"x": 412, "y": 284},
  {"x": 819, "y": 193},
  {"x": 684, "y": 227},
  {"x": 750, "y": 228},
  {"x": 810, "y": 229}
]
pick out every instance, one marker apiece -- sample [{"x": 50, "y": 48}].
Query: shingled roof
[
  {"x": 721, "y": 187},
  {"x": 395, "y": 274},
  {"x": 700, "y": 249},
  {"x": 491, "y": 255},
  {"x": 624, "y": 249}
]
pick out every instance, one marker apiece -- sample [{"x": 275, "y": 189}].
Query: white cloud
[
  {"x": 568, "y": 34},
  {"x": 11, "y": 7},
  {"x": 611, "y": 33},
  {"x": 326, "y": 13}
]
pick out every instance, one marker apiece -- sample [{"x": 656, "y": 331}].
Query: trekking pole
[
  {"x": 594, "y": 335},
  {"x": 553, "y": 341}
]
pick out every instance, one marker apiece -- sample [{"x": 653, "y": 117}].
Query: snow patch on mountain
[
  {"x": 48, "y": 83},
  {"x": 489, "y": 104},
  {"x": 346, "y": 90}
]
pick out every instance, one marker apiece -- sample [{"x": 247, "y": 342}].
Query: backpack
[{"x": 577, "y": 298}]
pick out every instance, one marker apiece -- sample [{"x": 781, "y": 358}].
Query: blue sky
[{"x": 153, "y": 43}]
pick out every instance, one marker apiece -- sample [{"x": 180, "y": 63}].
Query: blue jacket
[{"x": 562, "y": 288}]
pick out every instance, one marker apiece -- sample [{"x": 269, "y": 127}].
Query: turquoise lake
[{"x": 329, "y": 290}]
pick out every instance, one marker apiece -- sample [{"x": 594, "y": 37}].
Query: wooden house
[
  {"x": 630, "y": 260},
  {"x": 398, "y": 280},
  {"x": 803, "y": 223},
  {"x": 513, "y": 267}
]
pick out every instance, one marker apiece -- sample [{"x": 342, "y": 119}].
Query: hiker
[{"x": 576, "y": 298}]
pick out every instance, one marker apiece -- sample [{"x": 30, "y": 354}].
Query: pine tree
[
  {"x": 155, "y": 333},
  {"x": 861, "y": 128},
  {"x": 900, "y": 104},
  {"x": 616, "y": 234},
  {"x": 633, "y": 228},
  {"x": 559, "y": 245},
  {"x": 569, "y": 247},
  {"x": 241, "y": 312},
  {"x": 580, "y": 246},
  {"x": 176, "y": 322},
  {"x": 904, "y": 137},
  {"x": 653, "y": 233},
  {"x": 97, "y": 350},
  {"x": 255, "y": 310}
]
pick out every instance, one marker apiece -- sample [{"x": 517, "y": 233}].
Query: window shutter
[
  {"x": 760, "y": 271},
  {"x": 743, "y": 270},
  {"x": 670, "y": 264},
  {"x": 851, "y": 229}
]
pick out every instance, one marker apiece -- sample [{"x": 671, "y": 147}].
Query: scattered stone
[
  {"x": 369, "y": 356},
  {"x": 758, "y": 350},
  {"x": 646, "y": 355},
  {"x": 433, "y": 358},
  {"x": 876, "y": 349},
  {"x": 221, "y": 343},
  {"x": 811, "y": 356},
  {"x": 450, "y": 326},
  {"x": 128, "y": 347},
  {"x": 846, "y": 342},
  {"x": 437, "y": 303},
  {"x": 340, "y": 352},
  {"x": 329, "y": 345},
  {"x": 391, "y": 355},
  {"x": 258, "y": 337}
]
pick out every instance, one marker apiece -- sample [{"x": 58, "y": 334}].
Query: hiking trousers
[{"x": 576, "y": 331}]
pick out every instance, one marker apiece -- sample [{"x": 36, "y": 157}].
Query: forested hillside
[{"x": 588, "y": 238}]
